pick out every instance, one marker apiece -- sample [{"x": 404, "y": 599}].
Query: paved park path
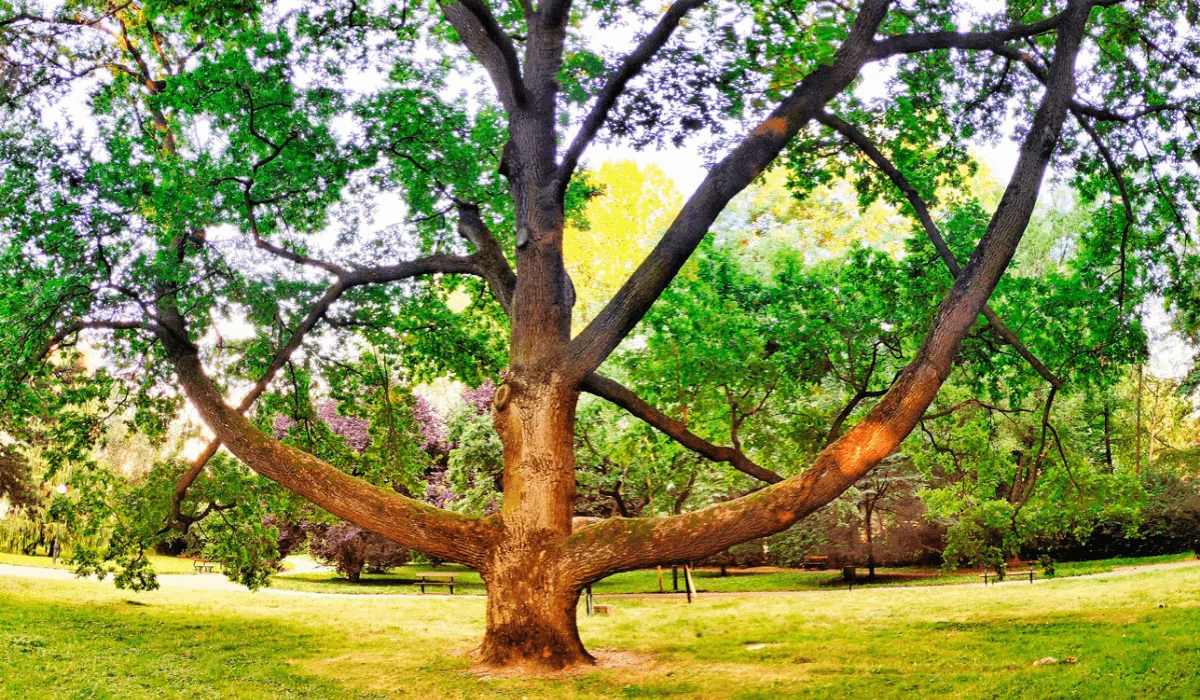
[{"x": 218, "y": 582}]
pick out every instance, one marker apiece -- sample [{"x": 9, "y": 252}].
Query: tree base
[
  {"x": 604, "y": 659},
  {"x": 533, "y": 650}
]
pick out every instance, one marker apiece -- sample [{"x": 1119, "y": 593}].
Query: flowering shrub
[
  {"x": 433, "y": 428},
  {"x": 350, "y": 549}
]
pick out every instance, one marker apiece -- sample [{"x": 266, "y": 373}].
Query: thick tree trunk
[
  {"x": 530, "y": 615},
  {"x": 532, "y": 596}
]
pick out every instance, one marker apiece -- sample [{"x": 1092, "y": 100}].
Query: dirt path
[{"x": 218, "y": 582}]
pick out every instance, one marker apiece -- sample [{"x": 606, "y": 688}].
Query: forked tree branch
[
  {"x": 620, "y": 544},
  {"x": 488, "y": 42},
  {"x": 612, "y": 90}
]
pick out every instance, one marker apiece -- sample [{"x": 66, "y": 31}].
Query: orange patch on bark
[{"x": 775, "y": 126}]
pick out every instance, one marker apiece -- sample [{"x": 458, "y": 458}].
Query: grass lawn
[
  {"x": 162, "y": 565},
  {"x": 1134, "y": 635},
  {"x": 646, "y": 581}
]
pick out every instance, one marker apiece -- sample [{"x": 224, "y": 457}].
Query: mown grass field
[
  {"x": 1134, "y": 635},
  {"x": 162, "y": 565}
]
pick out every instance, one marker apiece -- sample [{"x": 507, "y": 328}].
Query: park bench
[
  {"x": 996, "y": 577},
  {"x": 203, "y": 566},
  {"x": 602, "y": 609},
  {"x": 434, "y": 578},
  {"x": 814, "y": 562}
]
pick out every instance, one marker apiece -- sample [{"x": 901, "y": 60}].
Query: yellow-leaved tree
[{"x": 632, "y": 209}]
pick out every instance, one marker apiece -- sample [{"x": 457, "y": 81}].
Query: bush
[{"x": 351, "y": 549}]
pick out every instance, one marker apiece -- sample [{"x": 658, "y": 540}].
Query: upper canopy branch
[
  {"x": 869, "y": 149},
  {"x": 488, "y": 42},
  {"x": 629, "y": 69},
  {"x": 494, "y": 266}
]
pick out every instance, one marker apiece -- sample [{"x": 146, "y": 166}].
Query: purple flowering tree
[{"x": 351, "y": 549}]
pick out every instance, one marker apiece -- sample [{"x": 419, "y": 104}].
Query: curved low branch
[
  {"x": 348, "y": 280},
  {"x": 613, "y": 391},
  {"x": 409, "y": 522},
  {"x": 620, "y": 544}
]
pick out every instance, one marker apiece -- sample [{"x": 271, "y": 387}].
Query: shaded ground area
[{"x": 1133, "y": 634}]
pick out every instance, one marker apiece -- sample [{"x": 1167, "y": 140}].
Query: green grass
[
  {"x": 400, "y": 581},
  {"x": 162, "y": 565},
  {"x": 1134, "y": 635}
]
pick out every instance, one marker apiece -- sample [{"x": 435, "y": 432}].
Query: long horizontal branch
[
  {"x": 931, "y": 41},
  {"x": 432, "y": 264},
  {"x": 864, "y": 144},
  {"x": 619, "y": 544},
  {"x": 613, "y": 391},
  {"x": 75, "y": 327}
]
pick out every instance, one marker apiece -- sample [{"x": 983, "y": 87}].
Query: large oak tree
[{"x": 221, "y": 161}]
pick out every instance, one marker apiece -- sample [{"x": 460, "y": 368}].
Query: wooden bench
[
  {"x": 203, "y": 566},
  {"x": 436, "y": 578},
  {"x": 996, "y": 577},
  {"x": 602, "y": 609},
  {"x": 815, "y": 563}
]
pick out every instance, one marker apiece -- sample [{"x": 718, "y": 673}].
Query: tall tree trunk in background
[
  {"x": 870, "y": 511},
  {"x": 1108, "y": 453},
  {"x": 1137, "y": 440}
]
